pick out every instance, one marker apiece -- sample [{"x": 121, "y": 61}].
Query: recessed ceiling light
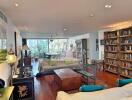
[
  {"x": 16, "y": 4},
  {"x": 65, "y": 29},
  {"x": 91, "y": 15},
  {"x": 108, "y": 6}
]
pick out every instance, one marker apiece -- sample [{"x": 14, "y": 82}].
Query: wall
[
  {"x": 10, "y": 29},
  {"x": 93, "y": 52},
  {"x": 41, "y": 35},
  {"x": 91, "y": 44},
  {"x": 101, "y": 47}
]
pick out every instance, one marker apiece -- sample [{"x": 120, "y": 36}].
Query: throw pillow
[
  {"x": 90, "y": 88},
  {"x": 2, "y": 83},
  {"x": 122, "y": 82}
]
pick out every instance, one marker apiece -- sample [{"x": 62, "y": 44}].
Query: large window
[
  {"x": 58, "y": 45},
  {"x": 2, "y": 43},
  {"x": 37, "y": 46},
  {"x": 40, "y": 46}
]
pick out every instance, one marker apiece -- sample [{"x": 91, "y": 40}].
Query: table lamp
[
  {"x": 25, "y": 48},
  {"x": 11, "y": 59}
]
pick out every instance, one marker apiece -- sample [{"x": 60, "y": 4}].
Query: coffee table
[{"x": 67, "y": 79}]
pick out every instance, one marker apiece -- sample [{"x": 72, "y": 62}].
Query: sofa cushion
[
  {"x": 127, "y": 88},
  {"x": 127, "y": 98},
  {"x": 116, "y": 93},
  {"x": 122, "y": 82},
  {"x": 90, "y": 88},
  {"x": 5, "y": 72}
]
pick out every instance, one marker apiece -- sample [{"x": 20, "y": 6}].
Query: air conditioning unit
[{"x": 3, "y": 25}]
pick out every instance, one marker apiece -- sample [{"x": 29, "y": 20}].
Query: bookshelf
[
  {"x": 82, "y": 50},
  {"x": 118, "y": 52}
]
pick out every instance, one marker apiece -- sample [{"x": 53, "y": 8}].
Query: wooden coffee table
[{"x": 67, "y": 79}]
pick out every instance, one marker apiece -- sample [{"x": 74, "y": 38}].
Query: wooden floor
[{"x": 46, "y": 89}]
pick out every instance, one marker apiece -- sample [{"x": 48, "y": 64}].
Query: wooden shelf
[
  {"x": 126, "y": 76},
  {"x": 126, "y": 44},
  {"x": 111, "y": 51},
  {"x": 129, "y": 36},
  {"x": 111, "y": 44},
  {"x": 126, "y": 60},
  {"x": 111, "y": 65},
  {"x": 126, "y": 68},
  {"x": 112, "y": 37},
  {"x": 125, "y": 51},
  {"x": 111, "y": 71},
  {"x": 117, "y": 40},
  {"x": 111, "y": 58}
]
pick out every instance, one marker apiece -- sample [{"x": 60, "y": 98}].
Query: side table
[{"x": 23, "y": 88}]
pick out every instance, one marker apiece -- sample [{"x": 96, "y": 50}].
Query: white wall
[
  {"x": 91, "y": 38},
  {"x": 101, "y": 47},
  {"x": 93, "y": 53},
  {"x": 10, "y": 29}
]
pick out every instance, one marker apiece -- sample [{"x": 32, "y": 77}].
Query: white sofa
[
  {"x": 117, "y": 93},
  {"x": 5, "y": 72}
]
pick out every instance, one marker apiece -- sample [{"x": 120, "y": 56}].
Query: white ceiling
[{"x": 52, "y": 16}]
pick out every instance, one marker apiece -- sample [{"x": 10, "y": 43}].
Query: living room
[{"x": 65, "y": 50}]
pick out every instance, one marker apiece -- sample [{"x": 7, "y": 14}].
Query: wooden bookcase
[{"x": 118, "y": 52}]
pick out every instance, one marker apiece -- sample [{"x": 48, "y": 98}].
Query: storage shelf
[
  {"x": 111, "y": 65},
  {"x": 112, "y": 37},
  {"x": 111, "y": 44},
  {"x": 111, "y": 58},
  {"x": 118, "y": 40},
  {"x": 125, "y": 51},
  {"x": 126, "y": 44},
  {"x": 126, "y": 36},
  {"x": 111, "y": 71},
  {"x": 126, "y": 76},
  {"x": 126, "y": 60},
  {"x": 111, "y": 51},
  {"x": 126, "y": 68}
]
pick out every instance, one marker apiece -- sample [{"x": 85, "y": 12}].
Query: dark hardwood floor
[{"x": 46, "y": 89}]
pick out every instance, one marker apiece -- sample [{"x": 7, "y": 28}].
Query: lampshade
[
  {"x": 25, "y": 47},
  {"x": 11, "y": 58}
]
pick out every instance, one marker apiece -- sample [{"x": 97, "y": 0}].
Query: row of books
[
  {"x": 112, "y": 34},
  {"x": 111, "y": 61},
  {"x": 111, "y": 55},
  {"x": 111, "y": 42},
  {"x": 126, "y": 48},
  {"x": 113, "y": 69},
  {"x": 126, "y": 40},
  {"x": 111, "y": 48},
  {"x": 125, "y": 64},
  {"x": 126, "y": 72},
  {"x": 126, "y": 56},
  {"x": 126, "y": 32}
]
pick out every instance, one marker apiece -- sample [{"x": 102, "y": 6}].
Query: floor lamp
[{"x": 11, "y": 59}]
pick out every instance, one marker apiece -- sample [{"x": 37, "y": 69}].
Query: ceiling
[{"x": 76, "y": 16}]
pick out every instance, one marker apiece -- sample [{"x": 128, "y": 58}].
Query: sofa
[
  {"x": 116, "y": 93},
  {"x": 50, "y": 65},
  {"x": 5, "y": 72}
]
